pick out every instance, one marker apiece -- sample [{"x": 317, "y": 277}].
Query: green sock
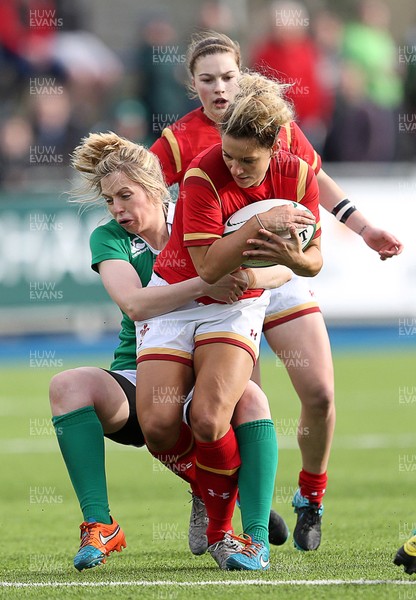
[
  {"x": 81, "y": 439},
  {"x": 258, "y": 450}
]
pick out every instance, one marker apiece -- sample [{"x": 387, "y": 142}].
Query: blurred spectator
[
  {"x": 93, "y": 69},
  {"x": 407, "y": 134},
  {"x": 53, "y": 123},
  {"x": 290, "y": 54},
  {"x": 369, "y": 44},
  {"x": 55, "y": 134},
  {"x": 409, "y": 56},
  {"x": 328, "y": 32},
  {"x": 131, "y": 121},
  {"x": 56, "y": 82},
  {"x": 159, "y": 70},
  {"x": 216, "y": 15},
  {"x": 359, "y": 130},
  {"x": 370, "y": 91},
  {"x": 16, "y": 139},
  {"x": 26, "y": 44}
]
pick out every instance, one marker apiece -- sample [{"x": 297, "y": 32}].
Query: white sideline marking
[{"x": 318, "y": 582}]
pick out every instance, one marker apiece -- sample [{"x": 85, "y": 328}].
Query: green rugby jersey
[{"x": 112, "y": 242}]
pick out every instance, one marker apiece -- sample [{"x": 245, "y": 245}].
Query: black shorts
[{"x": 130, "y": 434}]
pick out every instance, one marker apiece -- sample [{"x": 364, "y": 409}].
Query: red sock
[
  {"x": 312, "y": 486},
  {"x": 217, "y": 472},
  {"x": 181, "y": 458}
]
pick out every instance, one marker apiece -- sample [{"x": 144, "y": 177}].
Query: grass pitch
[{"x": 369, "y": 506}]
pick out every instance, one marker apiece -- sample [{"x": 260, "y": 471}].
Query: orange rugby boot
[{"x": 97, "y": 541}]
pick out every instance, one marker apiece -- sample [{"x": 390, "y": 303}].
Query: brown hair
[
  {"x": 100, "y": 154},
  {"x": 205, "y": 43},
  {"x": 258, "y": 110}
]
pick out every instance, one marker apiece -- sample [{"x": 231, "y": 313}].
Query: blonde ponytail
[
  {"x": 258, "y": 110},
  {"x": 100, "y": 154}
]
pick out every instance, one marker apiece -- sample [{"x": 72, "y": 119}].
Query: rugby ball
[{"x": 236, "y": 220}]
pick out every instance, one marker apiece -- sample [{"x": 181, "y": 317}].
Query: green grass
[{"x": 369, "y": 505}]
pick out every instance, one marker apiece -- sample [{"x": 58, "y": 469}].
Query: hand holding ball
[{"x": 235, "y": 221}]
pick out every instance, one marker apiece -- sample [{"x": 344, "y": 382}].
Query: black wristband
[
  {"x": 343, "y": 210},
  {"x": 340, "y": 206},
  {"x": 347, "y": 214}
]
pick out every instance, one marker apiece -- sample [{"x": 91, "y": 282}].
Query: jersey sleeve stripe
[
  {"x": 301, "y": 186},
  {"x": 174, "y": 146},
  {"x": 196, "y": 172},
  {"x": 315, "y": 160},
  {"x": 288, "y": 135},
  {"x": 188, "y": 237}
]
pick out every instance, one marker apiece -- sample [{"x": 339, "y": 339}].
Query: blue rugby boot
[{"x": 254, "y": 556}]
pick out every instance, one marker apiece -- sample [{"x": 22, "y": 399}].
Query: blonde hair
[
  {"x": 205, "y": 43},
  {"x": 258, "y": 110},
  {"x": 100, "y": 154}
]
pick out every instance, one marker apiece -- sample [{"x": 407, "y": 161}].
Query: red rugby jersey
[
  {"x": 209, "y": 195},
  {"x": 293, "y": 140},
  {"x": 181, "y": 142}
]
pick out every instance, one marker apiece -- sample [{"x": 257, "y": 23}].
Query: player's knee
[
  {"x": 320, "y": 398},
  {"x": 253, "y": 394},
  {"x": 207, "y": 425},
  {"x": 58, "y": 388},
  {"x": 253, "y": 405},
  {"x": 67, "y": 392},
  {"x": 160, "y": 432}
]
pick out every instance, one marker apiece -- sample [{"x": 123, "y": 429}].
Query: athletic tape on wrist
[{"x": 343, "y": 210}]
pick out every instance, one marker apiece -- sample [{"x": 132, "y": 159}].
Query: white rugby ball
[{"x": 236, "y": 220}]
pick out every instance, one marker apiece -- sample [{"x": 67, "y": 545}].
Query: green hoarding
[{"x": 46, "y": 282}]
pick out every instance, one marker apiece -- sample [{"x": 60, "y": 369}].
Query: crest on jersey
[{"x": 138, "y": 246}]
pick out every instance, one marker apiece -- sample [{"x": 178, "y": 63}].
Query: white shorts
[
  {"x": 290, "y": 301},
  {"x": 175, "y": 335}
]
